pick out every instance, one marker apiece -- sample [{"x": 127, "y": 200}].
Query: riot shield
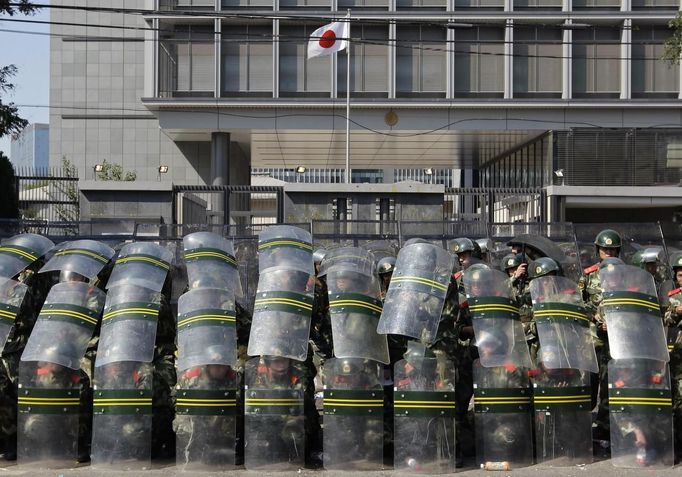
[
  {"x": 85, "y": 257},
  {"x": 414, "y": 300},
  {"x": 206, "y": 328},
  {"x": 48, "y": 417},
  {"x": 143, "y": 264},
  {"x": 563, "y": 418},
  {"x": 424, "y": 410},
  {"x": 348, "y": 258},
  {"x": 19, "y": 252},
  {"x": 122, "y": 421},
  {"x": 211, "y": 262},
  {"x": 65, "y": 325},
  {"x": 285, "y": 247},
  {"x": 640, "y": 408},
  {"x": 273, "y": 415},
  {"x": 11, "y": 297},
  {"x": 282, "y": 314},
  {"x": 632, "y": 313},
  {"x": 382, "y": 248},
  {"x": 495, "y": 316},
  {"x": 562, "y": 324},
  {"x": 205, "y": 422},
  {"x": 537, "y": 239},
  {"x": 246, "y": 252},
  {"x": 131, "y": 315},
  {"x": 502, "y": 404},
  {"x": 353, "y": 414},
  {"x": 355, "y": 308}
]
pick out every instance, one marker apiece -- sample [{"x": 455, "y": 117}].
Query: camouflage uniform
[
  {"x": 321, "y": 326},
  {"x": 673, "y": 321},
  {"x": 164, "y": 378}
]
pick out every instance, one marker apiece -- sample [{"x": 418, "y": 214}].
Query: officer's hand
[
  {"x": 640, "y": 438},
  {"x": 603, "y": 325},
  {"x": 678, "y": 310},
  {"x": 521, "y": 270}
]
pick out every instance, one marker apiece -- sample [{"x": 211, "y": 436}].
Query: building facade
[
  {"x": 487, "y": 93},
  {"x": 30, "y": 149}
]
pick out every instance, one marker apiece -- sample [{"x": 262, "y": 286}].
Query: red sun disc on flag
[{"x": 328, "y": 39}]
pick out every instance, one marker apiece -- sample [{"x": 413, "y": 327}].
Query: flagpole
[{"x": 348, "y": 45}]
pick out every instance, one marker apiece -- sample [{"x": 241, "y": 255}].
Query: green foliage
[
  {"x": 114, "y": 172},
  {"x": 10, "y": 121},
  {"x": 673, "y": 45},
  {"x": 69, "y": 213},
  {"x": 24, "y": 6},
  {"x": 9, "y": 202}
]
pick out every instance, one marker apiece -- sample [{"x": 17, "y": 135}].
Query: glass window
[
  {"x": 420, "y": 61},
  {"x": 369, "y": 63},
  {"x": 376, "y": 4},
  {"x": 597, "y": 4},
  {"x": 652, "y": 76},
  {"x": 479, "y": 62},
  {"x": 596, "y": 62},
  {"x": 247, "y": 60},
  {"x": 321, "y": 4},
  {"x": 434, "y": 4},
  {"x": 187, "y": 62},
  {"x": 660, "y": 4},
  {"x": 299, "y": 76},
  {"x": 262, "y": 4},
  {"x": 537, "y": 4},
  {"x": 537, "y": 61},
  {"x": 471, "y": 4}
]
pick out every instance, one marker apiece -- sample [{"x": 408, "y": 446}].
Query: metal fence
[
  {"x": 48, "y": 194},
  {"x": 495, "y": 205}
]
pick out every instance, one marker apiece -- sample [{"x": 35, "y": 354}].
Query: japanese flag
[{"x": 329, "y": 39}]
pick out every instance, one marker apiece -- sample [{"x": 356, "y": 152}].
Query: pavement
[{"x": 602, "y": 468}]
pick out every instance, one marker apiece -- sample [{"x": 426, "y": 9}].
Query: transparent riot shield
[
  {"x": 502, "y": 407},
  {"x": 415, "y": 298},
  {"x": 563, "y": 418},
  {"x": 246, "y": 252},
  {"x": 537, "y": 239},
  {"x": 206, "y": 328},
  {"x": 143, "y": 264},
  {"x": 274, "y": 414},
  {"x": 205, "y": 421},
  {"x": 562, "y": 324},
  {"x": 85, "y": 257},
  {"x": 632, "y": 313},
  {"x": 12, "y": 295},
  {"x": 282, "y": 314},
  {"x": 285, "y": 247},
  {"x": 122, "y": 421},
  {"x": 382, "y": 248},
  {"x": 355, "y": 308},
  {"x": 498, "y": 331},
  {"x": 65, "y": 325},
  {"x": 353, "y": 414},
  {"x": 348, "y": 258},
  {"x": 48, "y": 417},
  {"x": 424, "y": 410},
  {"x": 640, "y": 408},
  {"x": 131, "y": 315},
  {"x": 211, "y": 262},
  {"x": 19, "y": 252}
]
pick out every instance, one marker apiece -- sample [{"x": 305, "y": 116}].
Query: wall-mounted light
[
  {"x": 301, "y": 169},
  {"x": 163, "y": 169},
  {"x": 559, "y": 173},
  {"x": 99, "y": 167},
  {"x": 428, "y": 172}
]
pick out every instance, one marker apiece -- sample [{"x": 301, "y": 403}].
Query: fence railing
[{"x": 48, "y": 194}]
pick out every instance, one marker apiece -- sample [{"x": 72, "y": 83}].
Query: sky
[{"x": 31, "y": 55}]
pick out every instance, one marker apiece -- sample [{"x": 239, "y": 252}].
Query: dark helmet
[
  {"x": 544, "y": 266},
  {"x": 676, "y": 261},
  {"x": 348, "y": 367},
  {"x": 512, "y": 260},
  {"x": 644, "y": 256},
  {"x": 610, "y": 262},
  {"x": 318, "y": 255},
  {"x": 464, "y": 244},
  {"x": 69, "y": 276},
  {"x": 416, "y": 351},
  {"x": 608, "y": 239},
  {"x": 478, "y": 266},
  {"x": 485, "y": 244},
  {"x": 414, "y": 240},
  {"x": 548, "y": 353},
  {"x": 386, "y": 265}
]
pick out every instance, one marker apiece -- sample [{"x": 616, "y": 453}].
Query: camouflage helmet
[
  {"x": 512, "y": 260},
  {"x": 70, "y": 276},
  {"x": 548, "y": 353},
  {"x": 610, "y": 262},
  {"x": 478, "y": 266},
  {"x": 386, "y": 265},
  {"x": 416, "y": 351},
  {"x": 485, "y": 244},
  {"x": 676, "y": 261},
  {"x": 318, "y": 255},
  {"x": 414, "y": 240},
  {"x": 644, "y": 256},
  {"x": 465, "y": 244},
  {"x": 544, "y": 266},
  {"x": 348, "y": 367},
  {"x": 494, "y": 337},
  {"x": 608, "y": 238}
]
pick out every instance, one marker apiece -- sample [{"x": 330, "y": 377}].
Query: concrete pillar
[{"x": 220, "y": 172}]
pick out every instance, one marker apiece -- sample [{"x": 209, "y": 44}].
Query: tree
[
  {"x": 114, "y": 172},
  {"x": 9, "y": 202},
  {"x": 10, "y": 121},
  {"x": 71, "y": 193},
  {"x": 673, "y": 45}
]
